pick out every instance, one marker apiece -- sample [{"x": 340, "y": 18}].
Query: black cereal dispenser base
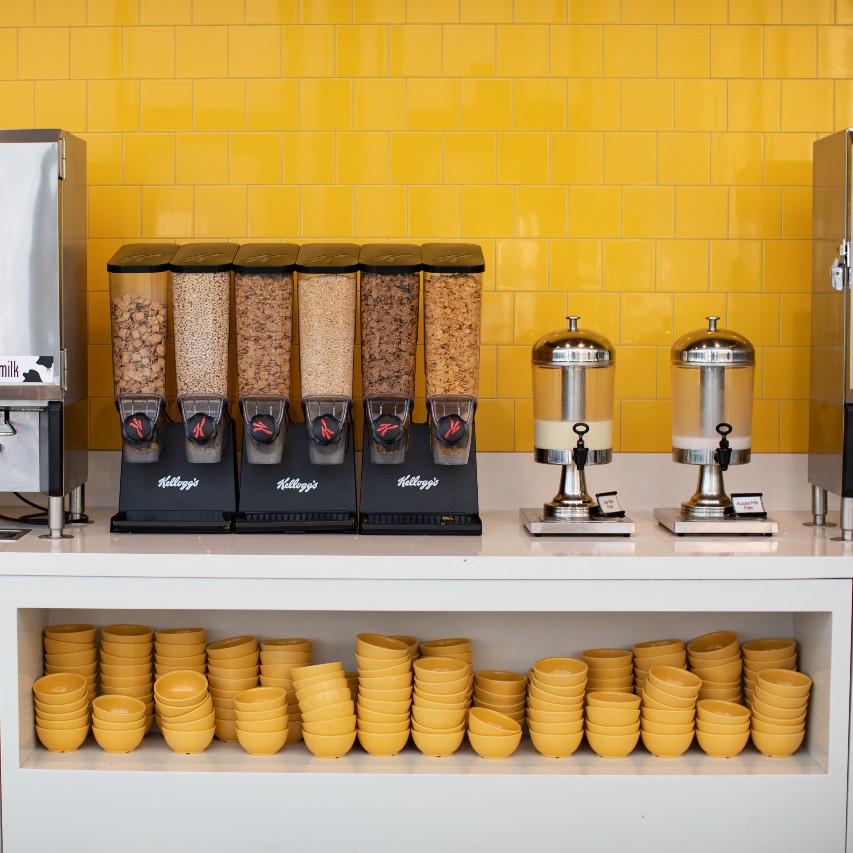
[
  {"x": 419, "y": 496},
  {"x": 172, "y": 495}
]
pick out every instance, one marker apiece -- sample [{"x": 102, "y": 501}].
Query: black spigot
[
  {"x": 580, "y": 453},
  {"x": 723, "y": 455}
]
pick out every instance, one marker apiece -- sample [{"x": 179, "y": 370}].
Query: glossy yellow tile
[
  {"x": 793, "y": 426},
  {"x": 168, "y": 213},
  {"x": 325, "y": 104},
  {"x": 201, "y": 52},
  {"x": 100, "y": 370},
  {"x": 682, "y": 266},
  {"x": 594, "y": 12},
  {"x": 754, "y": 11},
  {"x": 220, "y": 212},
  {"x": 485, "y": 104},
  {"x": 636, "y": 373},
  {"x": 113, "y": 105},
  {"x": 541, "y": 211},
  {"x": 201, "y": 158},
  {"x": 755, "y": 315},
  {"x": 539, "y": 105},
  {"x": 807, "y": 105},
  {"x": 523, "y": 426},
  {"x": 219, "y": 11},
  {"x": 736, "y": 51},
  {"x": 470, "y": 158},
  {"x": 755, "y": 212},
  {"x": 325, "y": 11},
  {"x": 593, "y": 105},
  {"x": 577, "y": 158},
  {"x": 536, "y": 314},
  {"x": 99, "y": 252},
  {"x": 175, "y": 12},
  {"x": 796, "y": 213},
  {"x": 701, "y": 105},
  {"x": 641, "y": 430},
  {"x": 380, "y": 212},
  {"x": 795, "y": 319},
  {"x": 308, "y": 51},
  {"x": 61, "y": 103},
  {"x": 273, "y": 11},
  {"x": 648, "y": 212},
  {"x": 684, "y": 51},
  {"x": 514, "y": 372},
  {"x": 114, "y": 212},
  {"x": 834, "y": 51},
  {"x": 272, "y": 104},
  {"x": 149, "y": 158},
  {"x": 595, "y": 212},
  {"x": 630, "y": 158},
  {"x": 576, "y": 265},
  {"x": 95, "y": 52},
  {"x": 540, "y": 12},
  {"x": 20, "y": 14},
  {"x": 104, "y": 432},
  {"x": 148, "y": 52},
  {"x": 814, "y": 12},
  {"x": 629, "y": 266},
  {"x": 684, "y": 158},
  {"x": 415, "y": 51},
  {"x": 254, "y": 51},
  {"x": 98, "y": 318},
  {"x": 598, "y": 311},
  {"x": 379, "y": 11},
  {"x": 701, "y": 212},
  {"x": 630, "y": 51},
  {"x": 754, "y": 105},
  {"x": 496, "y": 325},
  {"x": 701, "y": 11},
  {"x": 647, "y": 12},
  {"x": 273, "y": 212},
  {"x": 790, "y": 51},
  {"x": 254, "y": 158},
  {"x": 488, "y": 384},
  {"x": 432, "y": 11},
  {"x": 523, "y": 158},
  {"x": 843, "y": 115},
  {"x": 468, "y": 50},
  {"x": 43, "y": 53},
  {"x": 787, "y": 266},
  {"x": 219, "y": 105},
  {"x": 309, "y": 158},
  {"x": 416, "y": 158},
  {"x": 60, "y": 13},
  {"x": 647, "y": 105},
  {"x": 485, "y": 11},
  {"x": 361, "y": 51},
  {"x": 737, "y": 158},
  {"x": 165, "y": 105},
  {"x": 103, "y": 157},
  {"x": 361, "y": 158},
  {"x": 435, "y": 212},
  {"x": 691, "y": 310},
  {"x": 495, "y": 425},
  {"x": 736, "y": 266},
  {"x": 379, "y": 104},
  {"x": 431, "y": 104},
  {"x": 521, "y": 264},
  {"x": 522, "y": 50},
  {"x": 788, "y": 158},
  {"x": 765, "y": 426},
  {"x": 487, "y": 211},
  {"x": 576, "y": 51},
  {"x": 786, "y": 372},
  {"x": 9, "y": 54},
  {"x": 646, "y": 319}
]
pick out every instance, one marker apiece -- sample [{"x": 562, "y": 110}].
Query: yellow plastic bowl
[
  {"x": 330, "y": 712},
  {"x": 724, "y": 674},
  {"x": 225, "y": 730},
  {"x": 379, "y": 717},
  {"x": 321, "y": 700},
  {"x": 129, "y": 634},
  {"x": 118, "y": 742},
  {"x": 381, "y": 647},
  {"x": 665, "y": 698},
  {"x": 675, "y": 681},
  {"x": 487, "y": 722},
  {"x": 292, "y": 660},
  {"x": 717, "y": 729},
  {"x": 721, "y": 745},
  {"x": 262, "y": 743},
  {"x": 599, "y": 672},
  {"x": 145, "y": 692},
  {"x": 784, "y": 682},
  {"x": 181, "y": 689},
  {"x": 188, "y": 743},
  {"x": 396, "y": 682},
  {"x": 378, "y": 667},
  {"x": 181, "y": 636},
  {"x": 339, "y": 726},
  {"x": 775, "y": 713},
  {"x": 309, "y": 674},
  {"x": 777, "y": 727},
  {"x": 667, "y": 728},
  {"x": 164, "y": 653},
  {"x": 295, "y": 644},
  {"x": 494, "y": 746},
  {"x": 651, "y": 648},
  {"x": 187, "y": 713},
  {"x": 74, "y": 721},
  {"x": 555, "y": 716},
  {"x": 555, "y": 728},
  {"x": 500, "y": 707},
  {"x": 607, "y": 658},
  {"x": 752, "y": 667},
  {"x": 447, "y": 646},
  {"x": 667, "y": 746},
  {"x": 383, "y": 728},
  {"x": 717, "y": 644},
  {"x": 193, "y": 726},
  {"x": 382, "y": 707},
  {"x": 500, "y": 681},
  {"x": 721, "y": 712},
  {"x": 61, "y": 688},
  {"x": 613, "y": 730},
  {"x": 556, "y": 745},
  {"x": 624, "y": 684},
  {"x": 612, "y": 746},
  {"x": 119, "y": 709},
  {"x": 770, "y": 649},
  {"x": 549, "y": 693},
  {"x": 425, "y": 701},
  {"x": 65, "y": 740},
  {"x": 610, "y": 699},
  {"x": 612, "y": 716},
  {"x": 330, "y": 746},
  {"x": 440, "y": 670},
  {"x": 59, "y": 713},
  {"x": 560, "y": 672},
  {"x": 232, "y": 647},
  {"x": 379, "y": 745},
  {"x": 72, "y": 633},
  {"x": 232, "y": 685},
  {"x": 438, "y": 745},
  {"x": 260, "y": 699},
  {"x": 779, "y": 701},
  {"x": 777, "y": 746},
  {"x": 126, "y": 681},
  {"x": 60, "y": 646},
  {"x": 127, "y": 652}
]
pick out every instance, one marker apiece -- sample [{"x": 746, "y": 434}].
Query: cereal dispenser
[
  {"x": 573, "y": 374},
  {"x": 712, "y": 380}
]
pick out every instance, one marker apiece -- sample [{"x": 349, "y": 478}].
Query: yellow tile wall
[{"x": 639, "y": 163}]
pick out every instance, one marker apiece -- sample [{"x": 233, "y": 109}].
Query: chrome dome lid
[
  {"x": 713, "y": 346},
  {"x": 573, "y": 346}
]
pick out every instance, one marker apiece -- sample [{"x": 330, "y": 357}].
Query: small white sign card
[
  {"x": 608, "y": 505},
  {"x": 18, "y": 369},
  {"x": 748, "y": 504}
]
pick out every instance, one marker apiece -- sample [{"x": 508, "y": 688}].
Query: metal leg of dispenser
[
  {"x": 846, "y": 521},
  {"x": 55, "y": 519},
  {"x": 77, "y": 503},
  {"x": 818, "y": 509}
]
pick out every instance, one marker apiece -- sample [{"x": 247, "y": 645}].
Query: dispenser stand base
[
  {"x": 674, "y": 520},
  {"x": 539, "y": 525}
]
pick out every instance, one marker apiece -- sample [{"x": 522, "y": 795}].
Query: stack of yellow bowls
[
  {"x": 384, "y": 693},
  {"x": 180, "y": 648},
  {"x": 612, "y": 722},
  {"x": 411, "y": 642},
  {"x": 452, "y": 647},
  {"x": 278, "y": 660},
  {"x": 127, "y": 664},
  {"x": 232, "y": 666},
  {"x": 669, "y": 709},
  {"x": 722, "y": 728},
  {"x": 71, "y": 648},
  {"x": 492, "y": 735},
  {"x": 609, "y": 669},
  {"x": 779, "y": 706},
  {"x": 555, "y": 698},
  {"x": 716, "y": 659},
  {"x": 656, "y": 653},
  {"x": 440, "y": 705},
  {"x": 261, "y": 719},
  {"x": 758, "y": 655},
  {"x": 118, "y": 723},
  {"x": 504, "y": 692},
  {"x": 327, "y": 708},
  {"x": 62, "y": 710},
  {"x": 185, "y": 711}
]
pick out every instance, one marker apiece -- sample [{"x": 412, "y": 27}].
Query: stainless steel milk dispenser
[{"x": 43, "y": 386}]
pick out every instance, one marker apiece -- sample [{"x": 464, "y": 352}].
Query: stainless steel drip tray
[
  {"x": 674, "y": 520},
  {"x": 12, "y": 534},
  {"x": 538, "y": 525}
]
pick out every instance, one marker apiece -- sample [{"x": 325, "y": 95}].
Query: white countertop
[{"x": 505, "y": 552}]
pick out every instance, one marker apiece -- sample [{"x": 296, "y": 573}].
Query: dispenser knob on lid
[
  {"x": 326, "y": 429},
  {"x": 387, "y": 428},
  {"x": 262, "y": 429},
  {"x": 201, "y": 428},
  {"x": 138, "y": 427},
  {"x": 450, "y": 430}
]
